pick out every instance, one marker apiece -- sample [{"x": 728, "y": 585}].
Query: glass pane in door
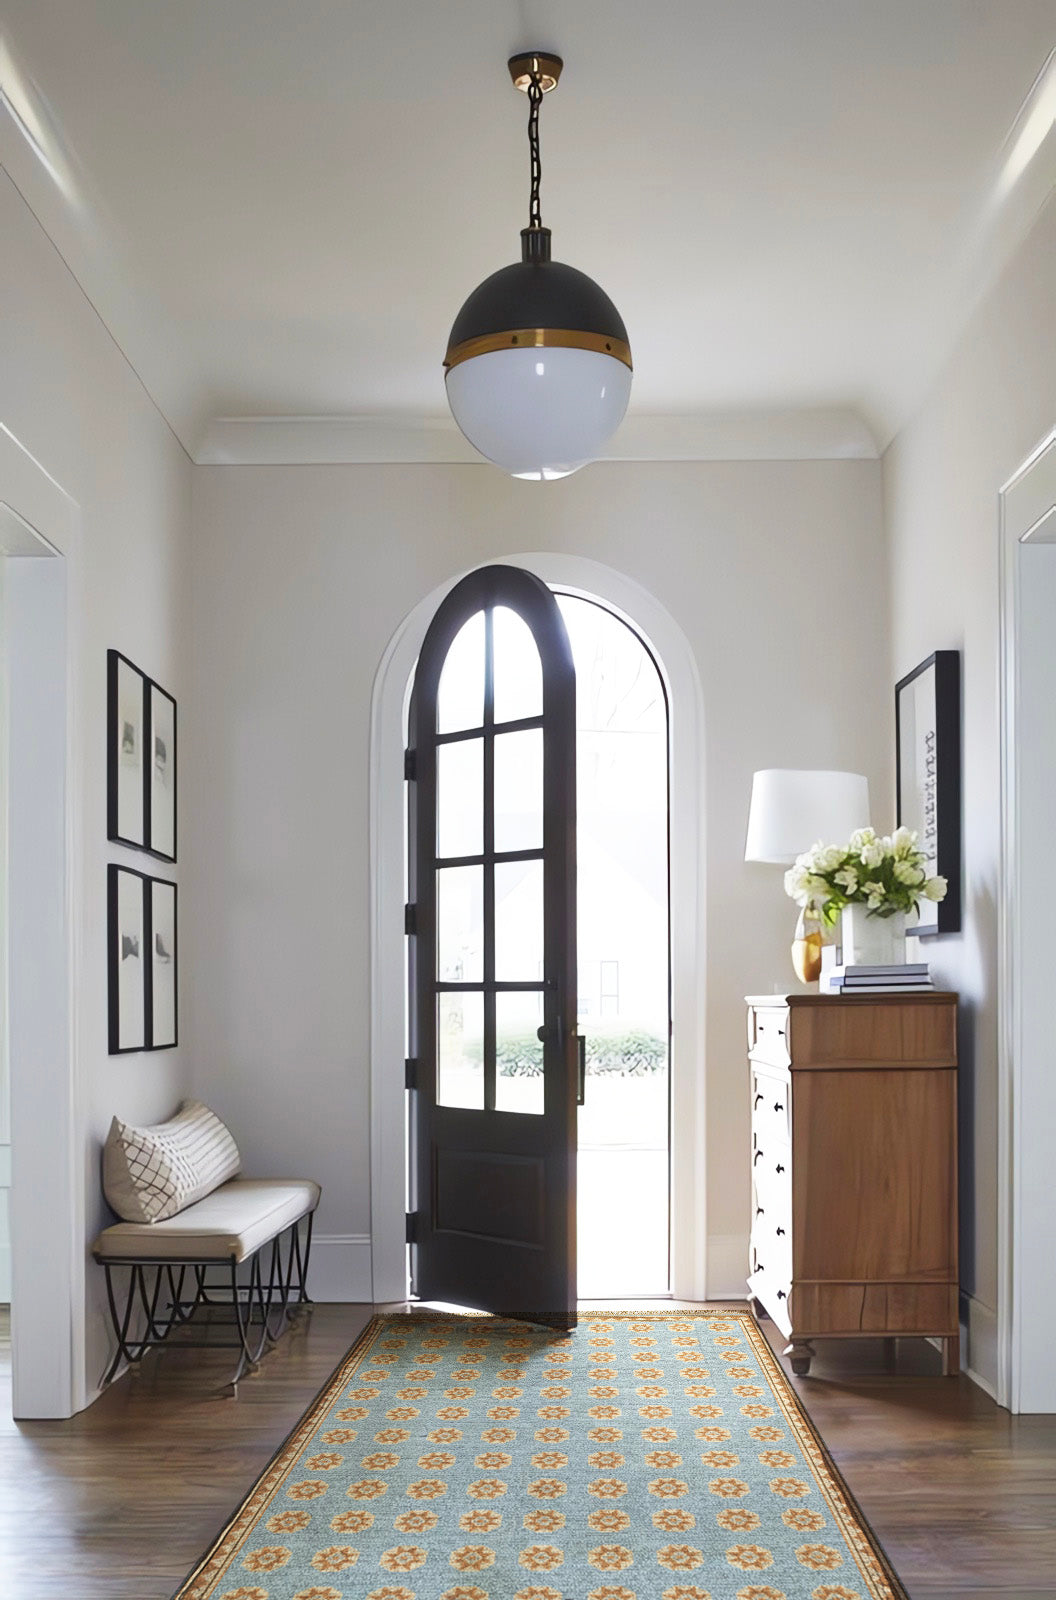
[
  {"x": 460, "y": 697},
  {"x": 460, "y": 798},
  {"x": 519, "y": 790},
  {"x": 519, "y": 921},
  {"x": 519, "y": 1082},
  {"x": 518, "y": 670},
  {"x": 460, "y": 1050},
  {"x": 460, "y": 924}
]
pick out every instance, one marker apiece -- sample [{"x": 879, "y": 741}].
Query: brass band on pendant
[{"x": 538, "y": 339}]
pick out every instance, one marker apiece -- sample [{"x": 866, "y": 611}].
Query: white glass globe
[{"x": 539, "y": 412}]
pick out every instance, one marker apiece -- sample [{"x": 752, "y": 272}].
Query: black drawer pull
[
  {"x": 780, "y": 1230},
  {"x": 757, "y": 1100},
  {"x": 759, "y": 1266},
  {"x": 780, "y": 1294},
  {"x": 780, "y": 1168},
  {"x": 778, "y": 1106},
  {"x": 755, "y": 1158},
  {"x": 759, "y": 1211}
]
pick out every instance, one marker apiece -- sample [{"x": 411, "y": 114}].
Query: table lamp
[{"x": 791, "y": 810}]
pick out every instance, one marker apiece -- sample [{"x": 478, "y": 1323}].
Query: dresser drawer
[
  {"x": 768, "y": 1035},
  {"x": 772, "y": 1175},
  {"x": 772, "y": 1243},
  {"x": 771, "y": 1108},
  {"x": 770, "y": 1278}
]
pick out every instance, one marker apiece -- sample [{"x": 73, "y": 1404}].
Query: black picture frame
[
  {"x": 161, "y": 777},
  {"x": 143, "y": 1002},
  {"x": 928, "y": 778},
  {"x": 126, "y": 767},
  {"x": 164, "y": 1032},
  {"x": 141, "y": 766}
]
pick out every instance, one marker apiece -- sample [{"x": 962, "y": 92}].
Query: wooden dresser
[{"x": 854, "y": 1167}]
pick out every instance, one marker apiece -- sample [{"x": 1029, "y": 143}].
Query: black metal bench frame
[{"x": 273, "y": 1299}]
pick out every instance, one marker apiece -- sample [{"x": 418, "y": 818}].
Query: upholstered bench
[{"x": 183, "y": 1213}]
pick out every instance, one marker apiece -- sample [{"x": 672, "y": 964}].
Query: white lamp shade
[
  {"x": 791, "y": 810},
  {"x": 539, "y": 412}
]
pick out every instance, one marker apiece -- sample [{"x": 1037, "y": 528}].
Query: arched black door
[{"x": 494, "y": 1059}]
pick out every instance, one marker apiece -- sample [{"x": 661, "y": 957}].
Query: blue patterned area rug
[{"x": 646, "y": 1456}]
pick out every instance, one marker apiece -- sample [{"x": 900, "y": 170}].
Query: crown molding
[{"x": 836, "y": 434}]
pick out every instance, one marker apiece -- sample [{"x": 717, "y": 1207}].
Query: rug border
[
  {"x": 353, "y": 1353},
  {"x": 898, "y": 1589},
  {"x": 833, "y": 1483}
]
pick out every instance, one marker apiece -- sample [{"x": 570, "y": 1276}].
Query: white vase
[{"x": 872, "y": 941}]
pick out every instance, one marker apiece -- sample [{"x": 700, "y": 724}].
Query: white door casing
[
  {"x": 1027, "y": 933},
  {"x": 47, "y": 1120},
  {"x": 388, "y": 970}
]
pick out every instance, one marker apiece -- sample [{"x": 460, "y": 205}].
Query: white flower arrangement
[{"x": 886, "y": 874}]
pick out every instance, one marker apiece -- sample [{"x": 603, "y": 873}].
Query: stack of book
[{"x": 910, "y": 978}]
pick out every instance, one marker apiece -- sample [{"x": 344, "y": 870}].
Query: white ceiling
[{"x": 279, "y": 205}]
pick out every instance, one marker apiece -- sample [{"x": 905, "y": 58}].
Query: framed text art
[
  {"x": 928, "y": 778},
  {"x": 142, "y": 953},
  {"x": 141, "y": 760}
]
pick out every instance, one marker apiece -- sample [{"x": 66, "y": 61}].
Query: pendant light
[{"x": 538, "y": 367}]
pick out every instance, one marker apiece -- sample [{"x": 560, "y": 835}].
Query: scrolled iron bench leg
[
  {"x": 276, "y": 1303},
  {"x": 302, "y": 1258},
  {"x": 120, "y": 1324},
  {"x": 242, "y": 1322}
]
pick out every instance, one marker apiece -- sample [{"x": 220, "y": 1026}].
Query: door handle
[{"x": 581, "y": 1092}]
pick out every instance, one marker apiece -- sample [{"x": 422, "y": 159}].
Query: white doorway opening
[{"x": 624, "y": 1175}]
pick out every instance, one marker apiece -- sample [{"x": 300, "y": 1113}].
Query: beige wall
[
  {"x": 993, "y": 402},
  {"x": 71, "y": 399},
  {"x": 774, "y": 571}
]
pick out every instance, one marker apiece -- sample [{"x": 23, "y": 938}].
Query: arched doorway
[{"x": 634, "y": 605}]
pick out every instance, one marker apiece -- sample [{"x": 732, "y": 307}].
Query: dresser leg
[
  {"x": 951, "y": 1356},
  {"x": 758, "y": 1309},
  {"x": 800, "y": 1352}
]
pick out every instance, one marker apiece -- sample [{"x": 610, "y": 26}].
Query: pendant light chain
[
  {"x": 535, "y": 99},
  {"x": 538, "y": 367}
]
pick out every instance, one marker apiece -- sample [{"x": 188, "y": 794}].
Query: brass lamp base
[{"x": 806, "y": 950}]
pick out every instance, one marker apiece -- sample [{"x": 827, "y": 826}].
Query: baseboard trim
[
  {"x": 339, "y": 1269},
  {"x": 727, "y": 1266},
  {"x": 979, "y": 1344}
]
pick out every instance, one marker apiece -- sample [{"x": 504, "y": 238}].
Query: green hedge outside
[{"x": 634, "y": 1053}]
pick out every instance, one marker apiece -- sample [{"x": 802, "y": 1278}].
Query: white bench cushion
[{"x": 235, "y": 1220}]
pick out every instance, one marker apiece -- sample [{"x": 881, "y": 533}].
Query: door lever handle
[{"x": 581, "y": 1092}]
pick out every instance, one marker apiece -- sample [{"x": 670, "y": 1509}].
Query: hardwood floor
[
  {"x": 119, "y": 1502},
  {"x": 961, "y": 1494}
]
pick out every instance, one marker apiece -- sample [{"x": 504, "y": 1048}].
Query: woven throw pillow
[{"x": 152, "y": 1173}]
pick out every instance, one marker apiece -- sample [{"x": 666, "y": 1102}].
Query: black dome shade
[{"x": 537, "y": 295}]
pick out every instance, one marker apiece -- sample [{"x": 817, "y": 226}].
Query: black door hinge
[
  {"x": 410, "y": 919},
  {"x": 410, "y": 1073},
  {"x": 410, "y": 765},
  {"x": 412, "y": 1227}
]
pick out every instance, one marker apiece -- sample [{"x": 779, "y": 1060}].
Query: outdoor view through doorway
[{"x": 623, "y": 891}]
